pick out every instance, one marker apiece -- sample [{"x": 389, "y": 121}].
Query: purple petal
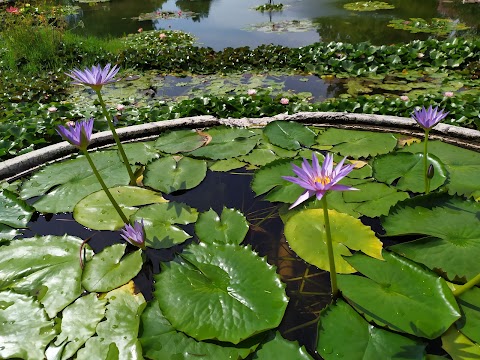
[{"x": 302, "y": 198}]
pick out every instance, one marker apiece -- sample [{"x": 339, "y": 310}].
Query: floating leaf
[
  {"x": 70, "y": 181},
  {"x": 259, "y": 157},
  {"x": 161, "y": 341},
  {"x": 109, "y": 270},
  {"x": 269, "y": 179},
  {"x": 16, "y": 213},
  {"x": 357, "y": 143},
  {"x": 97, "y": 212},
  {"x": 289, "y": 135},
  {"x": 170, "y": 174},
  {"x": 452, "y": 224},
  {"x": 178, "y": 141},
  {"x": 159, "y": 220},
  {"x": 469, "y": 324},
  {"x": 35, "y": 265},
  {"x": 227, "y": 143},
  {"x": 418, "y": 302},
  {"x": 373, "y": 199},
  {"x": 462, "y": 165},
  {"x": 213, "y": 280},
  {"x": 120, "y": 327},
  {"x": 368, "y": 6},
  {"x": 279, "y": 348},
  {"x": 459, "y": 347},
  {"x": 141, "y": 152},
  {"x": 7, "y": 233},
  {"x": 230, "y": 228},
  {"x": 409, "y": 170},
  {"x": 79, "y": 321},
  {"x": 226, "y": 165},
  {"x": 340, "y": 325},
  {"x": 26, "y": 329},
  {"x": 305, "y": 233}
]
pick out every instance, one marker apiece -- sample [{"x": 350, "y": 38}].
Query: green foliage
[
  {"x": 340, "y": 324},
  {"x": 418, "y": 302},
  {"x": 435, "y": 26},
  {"x": 230, "y": 228},
  {"x": 368, "y": 6}
]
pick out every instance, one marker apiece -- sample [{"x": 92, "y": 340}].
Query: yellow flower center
[{"x": 324, "y": 180}]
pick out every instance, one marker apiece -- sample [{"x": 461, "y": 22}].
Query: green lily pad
[
  {"x": 452, "y": 224},
  {"x": 7, "y": 233},
  {"x": 35, "y": 265},
  {"x": 469, "y": 324},
  {"x": 109, "y": 270},
  {"x": 418, "y": 302},
  {"x": 212, "y": 280},
  {"x": 161, "y": 341},
  {"x": 259, "y": 157},
  {"x": 79, "y": 321},
  {"x": 368, "y": 6},
  {"x": 438, "y": 26},
  {"x": 170, "y": 174},
  {"x": 119, "y": 329},
  {"x": 65, "y": 184},
  {"x": 279, "y": 348},
  {"x": 16, "y": 213},
  {"x": 26, "y": 330},
  {"x": 462, "y": 165},
  {"x": 409, "y": 170},
  {"x": 159, "y": 220},
  {"x": 230, "y": 228},
  {"x": 356, "y": 143},
  {"x": 269, "y": 179},
  {"x": 227, "y": 143},
  {"x": 305, "y": 233},
  {"x": 227, "y": 165},
  {"x": 97, "y": 212},
  {"x": 289, "y": 135},
  {"x": 373, "y": 199},
  {"x": 178, "y": 141},
  {"x": 459, "y": 347},
  {"x": 142, "y": 152},
  {"x": 340, "y": 324}
]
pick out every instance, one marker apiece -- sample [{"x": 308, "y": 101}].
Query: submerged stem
[
  {"x": 331, "y": 260},
  {"x": 467, "y": 286},
  {"x": 425, "y": 163},
  {"x": 104, "y": 187},
  {"x": 116, "y": 138}
]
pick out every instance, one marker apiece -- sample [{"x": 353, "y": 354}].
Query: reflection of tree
[
  {"x": 201, "y": 8},
  {"x": 354, "y": 29},
  {"x": 468, "y": 13}
]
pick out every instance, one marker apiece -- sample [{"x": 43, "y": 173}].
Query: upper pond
[{"x": 232, "y": 23}]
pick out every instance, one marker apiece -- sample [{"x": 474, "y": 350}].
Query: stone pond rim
[{"x": 23, "y": 165}]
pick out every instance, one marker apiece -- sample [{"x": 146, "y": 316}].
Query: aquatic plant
[
  {"x": 95, "y": 78},
  {"x": 368, "y": 6},
  {"x": 427, "y": 119}
]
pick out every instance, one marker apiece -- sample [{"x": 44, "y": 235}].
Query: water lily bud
[{"x": 430, "y": 171}]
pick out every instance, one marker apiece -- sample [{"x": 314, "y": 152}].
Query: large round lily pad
[
  {"x": 210, "y": 281},
  {"x": 289, "y": 135}
]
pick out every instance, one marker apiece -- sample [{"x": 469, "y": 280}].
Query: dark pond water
[{"x": 232, "y": 23}]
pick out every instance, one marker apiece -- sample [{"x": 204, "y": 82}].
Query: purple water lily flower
[
  {"x": 95, "y": 77},
  {"x": 135, "y": 234},
  {"x": 318, "y": 180},
  {"x": 78, "y": 134},
  {"x": 427, "y": 119}
]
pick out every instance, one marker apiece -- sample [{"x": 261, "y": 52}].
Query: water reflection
[{"x": 226, "y": 23}]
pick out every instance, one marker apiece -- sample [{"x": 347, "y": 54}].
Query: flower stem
[
  {"x": 104, "y": 187},
  {"x": 331, "y": 260},
  {"x": 467, "y": 286},
  {"x": 116, "y": 138},
  {"x": 425, "y": 163}
]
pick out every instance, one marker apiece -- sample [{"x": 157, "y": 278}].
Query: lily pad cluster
[
  {"x": 436, "y": 26},
  {"x": 368, "y": 6},
  {"x": 215, "y": 295}
]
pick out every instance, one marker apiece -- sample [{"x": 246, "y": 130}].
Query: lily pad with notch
[{"x": 289, "y": 135}]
